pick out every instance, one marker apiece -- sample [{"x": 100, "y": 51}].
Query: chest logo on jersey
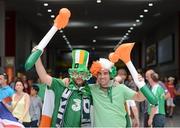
[{"x": 77, "y": 105}]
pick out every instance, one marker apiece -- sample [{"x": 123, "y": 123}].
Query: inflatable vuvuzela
[
  {"x": 60, "y": 22},
  {"x": 123, "y": 52}
]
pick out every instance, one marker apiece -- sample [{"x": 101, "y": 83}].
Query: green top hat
[{"x": 80, "y": 60}]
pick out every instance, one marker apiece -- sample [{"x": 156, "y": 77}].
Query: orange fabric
[
  {"x": 45, "y": 121},
  {"x": 7, "y": 99},
  {"x": 81, "y": 59},
  {"x": 95, "y": 68},
  {"x": 62, "y": 19}
]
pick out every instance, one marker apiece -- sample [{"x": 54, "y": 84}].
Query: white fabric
[
  {"x": 130, "y": 103},
  {"x": 105, "y": 63},
  {"x": 48, "y": 105},
  {"x": 134, "y": 74},
  {"x": 42, "y": 44},
  {"x": 77, "y": 56},
  {"x": 170, "y": 102}
]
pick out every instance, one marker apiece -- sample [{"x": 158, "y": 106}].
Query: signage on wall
[{"x": 9, "y": 61}]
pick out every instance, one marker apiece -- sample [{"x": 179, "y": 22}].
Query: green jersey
[
  {"x": 159, "y": 92},
  {"x": 72, "y": 115},
  {"x": 109, "y": 109}
]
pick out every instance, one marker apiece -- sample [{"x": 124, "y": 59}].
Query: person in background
[
  {"x": 20, "y": 104},
  {"x": 170, "y": 101},
  {"x": 6, "y": 91},
  {"x": 35, "y": 106},
  {"x": 25, "y": 82},
  {"x": 156, "y": 113}
]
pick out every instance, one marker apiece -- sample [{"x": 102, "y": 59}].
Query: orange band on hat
[{"x": 81, "y": 59}]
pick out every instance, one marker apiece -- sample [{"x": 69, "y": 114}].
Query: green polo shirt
[{"x": 107, "y": 113}]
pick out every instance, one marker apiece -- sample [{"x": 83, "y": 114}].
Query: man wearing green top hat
[{"x": 71, "y": 104}]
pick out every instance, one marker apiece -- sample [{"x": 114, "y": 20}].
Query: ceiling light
[
  {"x": 45, "y": 4},
  {"x": 134, "y": 25},
  {"x": 94, "y": 41},
  {"x": 78, "y": 24},
  {"x": 52, "y": 16},
  {"x": 61, "y": 31},
  {"x": 137, "y": 20},
  {"x": 145, "y": 10},
  {"x": 157, "y": 14},
  {"x": 141, "y": 16},
  {"x": 95, "y": 27},
  {"x": 64, "y": 36},
  {"x": 49, "y": 10},
  {"x": 131, "y": 28},
  {"x": 39, "y": 14},
  {"x": 110, "y": 38},
  {"x": 68, "y": 43},
  {"x": 150, "y": 4},
  {"x": 122, "y": 24},
  {"x": 129, "y": 31},
  {"x": 98, "y": 1},
  {"x": 127, "y": 34}
]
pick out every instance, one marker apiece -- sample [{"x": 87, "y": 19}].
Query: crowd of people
[{"x": 113, "y": 100}]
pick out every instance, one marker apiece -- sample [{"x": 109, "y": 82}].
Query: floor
[
  {"x": 170, "y": 122},
  {"x": 175, "y": 120}
]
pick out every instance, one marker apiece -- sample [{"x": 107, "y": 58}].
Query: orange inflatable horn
[
  {"x": 113, "y": 57},
  {"x": 123, "y": 52},
  {"x": 62, "y": 19}
]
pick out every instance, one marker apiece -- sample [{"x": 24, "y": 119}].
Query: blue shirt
[{"x": 5, "y": 92}]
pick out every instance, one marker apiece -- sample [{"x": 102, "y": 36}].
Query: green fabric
[
  {"x": 159, "y": 93},
  {"x": 42, "y": 88},
  {"x": 72, "y": 115},
  {"x": 128, "y": 120},
  {"x": 113, "y": 72},
  {"x": 107, "y": 113}
]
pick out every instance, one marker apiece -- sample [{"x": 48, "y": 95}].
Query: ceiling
[{"x": 113, "y": 18}]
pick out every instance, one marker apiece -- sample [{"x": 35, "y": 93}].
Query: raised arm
[{"x": 44, "y": 77}]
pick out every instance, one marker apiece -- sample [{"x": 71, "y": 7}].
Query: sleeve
[
  {"x": 11, "y": 92},
  {"x": 161, "y": 92},
  {"x": 57, "y": 85},
  {"x": 128, "y": 93}
]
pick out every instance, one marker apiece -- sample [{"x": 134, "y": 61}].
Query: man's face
[
  {"x": 79, "y": 81},
  {"x": 122, "y": 73},
  {"x": 79, "y": 77},
  {"x": 103, "y": 78},
  {"x": 148, "y": 76}
]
